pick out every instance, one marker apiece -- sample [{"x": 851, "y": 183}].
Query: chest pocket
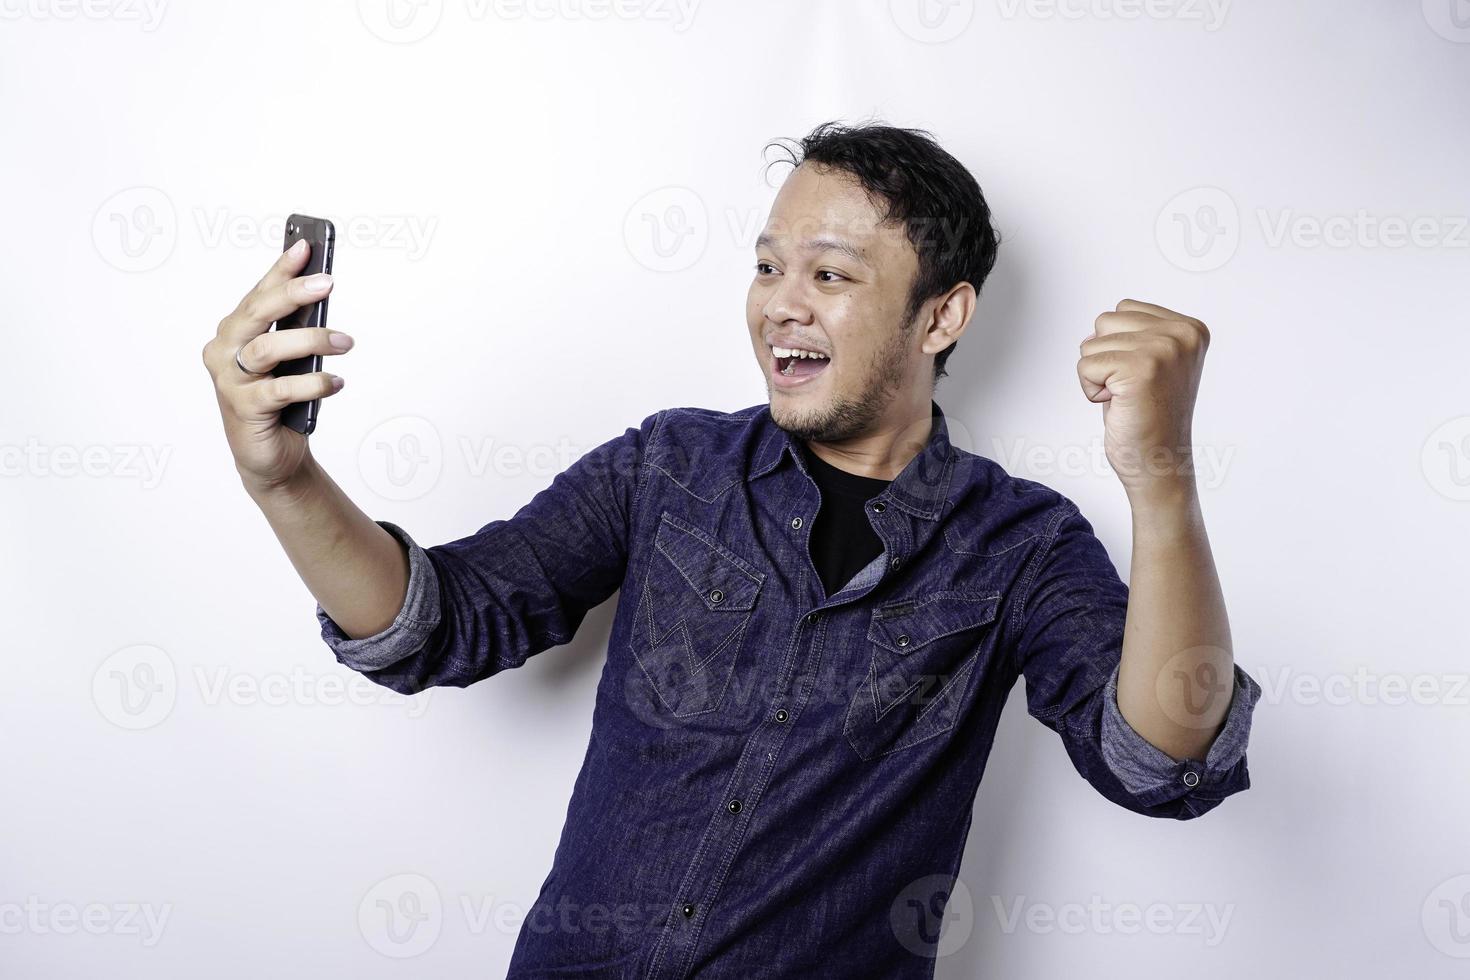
[
  {"x": 697, "y": 600},
  {"x": 923, "y": 652}
]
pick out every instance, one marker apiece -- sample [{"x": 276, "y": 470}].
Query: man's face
[{"x": 830, "y": 279}]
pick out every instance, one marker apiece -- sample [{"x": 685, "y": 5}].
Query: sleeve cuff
[
  {"x": 1148, "y": 772},
  {"x": 411, "y": 628}
]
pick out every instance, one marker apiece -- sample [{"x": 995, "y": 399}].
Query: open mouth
[{"x": 795, "y": 364}]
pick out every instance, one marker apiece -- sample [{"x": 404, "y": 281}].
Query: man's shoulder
[
  {"x": 695, "y": 415},
  {"x": 691, "y": 443},
  {"x": 992, "y": 478},
  {"x": 693, "y": 422},
  {"x": 1013, "y": 505}
]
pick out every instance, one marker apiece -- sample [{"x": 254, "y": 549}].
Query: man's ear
[{"x": 951, "y": 315}]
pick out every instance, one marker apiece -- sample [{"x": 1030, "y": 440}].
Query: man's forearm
[
  {"x": 1175, "y": 680},
  {"x": 354, "y": 568}
]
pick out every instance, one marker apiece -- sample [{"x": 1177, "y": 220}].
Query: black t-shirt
[{"x": 842, "y": 541}]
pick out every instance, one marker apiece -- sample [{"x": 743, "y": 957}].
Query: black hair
[{"x": 912, "y": 180}]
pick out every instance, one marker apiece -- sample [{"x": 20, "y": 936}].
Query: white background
[{"x": 173, "y": 739}]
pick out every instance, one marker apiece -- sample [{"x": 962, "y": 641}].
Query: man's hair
[{"x": 912, "y": 180}]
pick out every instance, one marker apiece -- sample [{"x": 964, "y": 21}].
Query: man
[{"x": 823, "y": 605}]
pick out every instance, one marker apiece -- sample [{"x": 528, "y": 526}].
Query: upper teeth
[{"x": 794, "y": 352}]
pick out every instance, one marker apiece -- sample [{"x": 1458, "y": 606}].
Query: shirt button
[
  {"x": 688, "y": 910},
  {"x": 878, "y": 506},
  {"x": 796, "y": 523},
  {"x": 733, "y": 806},
  {"x": 716, "y": 596},
  {"x": 894, "y": 562},
  {"x": 1191, "y": 778},
  {"x": 811, "y": 617},
  {"x": 903, "y": 639},
  {"x": 781, "y": 715}
]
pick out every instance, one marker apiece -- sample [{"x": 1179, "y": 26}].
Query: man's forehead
[
  {"x": 862, "y": 237},
  {"x": 821, "y": 241}
]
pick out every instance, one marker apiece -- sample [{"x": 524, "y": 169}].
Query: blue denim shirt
[{"x": 780, "y": 783}]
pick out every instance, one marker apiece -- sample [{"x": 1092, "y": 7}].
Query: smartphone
[{"x": 320, "y": 237}]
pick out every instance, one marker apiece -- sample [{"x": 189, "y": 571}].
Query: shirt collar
[{"x": 920, "y": 489}]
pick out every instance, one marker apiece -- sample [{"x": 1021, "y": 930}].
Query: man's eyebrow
[{"x": 823, "y": 244}]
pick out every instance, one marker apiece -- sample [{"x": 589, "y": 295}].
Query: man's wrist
[
  {"x": 1166, "y": 503},
  {"x": 293, "y": 489}
]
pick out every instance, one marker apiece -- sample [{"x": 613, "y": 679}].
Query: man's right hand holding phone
[
  {"x": 268, "y": 454},
  {"x": 352, "y": 565}
]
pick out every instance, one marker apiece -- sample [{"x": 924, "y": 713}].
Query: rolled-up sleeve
[
  {"x": 1153, "y": 775},
  {"x": 1069, "y": 646},
  {"x": 486, "y": 602},
  {"x": 409, "y": 631}
]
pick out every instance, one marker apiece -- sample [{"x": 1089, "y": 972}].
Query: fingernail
[
  {"x": 318, "y": 283},
  {"x": 336, "y": 382},
  {"x": 340, "y": 341},
  {"x": 297, "y": 246}
]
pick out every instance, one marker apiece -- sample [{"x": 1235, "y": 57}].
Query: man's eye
[
  {"x": 760, "y": 267},
  {"x": 829, "y": 272}
]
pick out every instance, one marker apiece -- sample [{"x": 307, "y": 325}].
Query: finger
[
  {"x": 286, "y": 266},
  {"x": 1095, "y": 371},
  {"x": 1115, "y": 322},
  {"x": 263, "y": 353},
  {"x": 269, "y": 395},
  {"x": 1152, "y": 309},
  {"x": 1129, "y": 341},
  {"x": 258, "y": 310}
]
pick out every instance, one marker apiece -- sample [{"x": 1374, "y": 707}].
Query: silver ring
[{"x": 243, "y": 368}]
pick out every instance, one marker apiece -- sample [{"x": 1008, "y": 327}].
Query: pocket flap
[
  {"x": 721, "y": 580},
  {"x": 905, "y": 626}
]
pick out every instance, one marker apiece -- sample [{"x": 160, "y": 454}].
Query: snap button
[
  {"x": 894, "y": 562},
  {"x": 733, "y": 806},
  {"x": 811, "y": 617},
  {"x": 796, "y": 523},
  {"x": 688, "y": 910},
  {"x": 878, "y": 506},
  {"x": 903, "y": 639},
  {"x": 781, "y": 714},
  {"x": 715, "y": 595},
  {"x": 1191, "y": 778}
]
